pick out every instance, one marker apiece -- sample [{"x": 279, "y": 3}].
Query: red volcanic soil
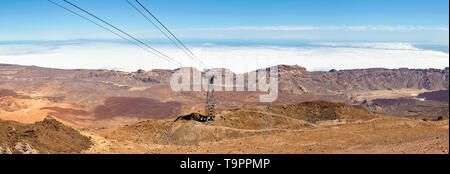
[
  {"x": 441, "y": 95},
  {"x": 67, "y": 111},
  {"x": 6, "y": 92},
  {"x": 137, "y": 107},
  {"x": 394, "y": 101}
]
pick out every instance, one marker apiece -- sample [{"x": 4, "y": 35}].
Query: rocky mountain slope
[
  {"x": 76, "y": 97},
  {"x": 294, "y": 78},
  {"x": 48, "y": 137},
  {"x": 346, "y": 81},
  {"x": 239, "y": 123},
  {"x": 308, "y": 127}
]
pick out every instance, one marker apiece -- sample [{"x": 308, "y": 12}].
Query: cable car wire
[
  {"x": 179, "y": 41},
  {"x": 165, "y": 34},
  {"x": 101, "y": 26},
  {"x": 161, "y": 55}
]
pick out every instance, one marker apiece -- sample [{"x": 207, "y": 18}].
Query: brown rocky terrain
[
  {"x": 309, "y": 127},
  {"x": 347, "y": 111},
  {"x": 48, "y": 136},
  {"x": 76, "y": 97},
  {"x": 238, "y": 123}
]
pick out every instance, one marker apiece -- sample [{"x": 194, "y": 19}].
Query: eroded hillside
[
  {"x": 78, "y": 97},
  {"x": 309, "y": 127},
  {"x": 45, "y": 137}
]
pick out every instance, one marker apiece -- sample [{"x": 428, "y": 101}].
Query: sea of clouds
[{"x": 320, "y": 56}]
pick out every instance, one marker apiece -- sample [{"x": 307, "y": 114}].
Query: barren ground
[
  {"x": 405, "y": 111},
  {"x": 367, "y": 134}
]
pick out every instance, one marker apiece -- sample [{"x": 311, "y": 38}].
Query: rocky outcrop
[
  {"x": 48, "y": 136},
  {"x": 5, "y": 150},
  {"x": 25, "y": 148}
]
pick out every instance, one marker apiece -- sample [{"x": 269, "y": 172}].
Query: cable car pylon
[{"x": 210, "y": 105}]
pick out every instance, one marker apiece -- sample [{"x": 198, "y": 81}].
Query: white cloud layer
[
  {"x": 328, "y": 28},
  {"x": 373, "y": 45},
  {"x": 322, "y": 56}
]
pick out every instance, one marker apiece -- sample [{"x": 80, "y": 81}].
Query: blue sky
[
  {"x": 241, "y": 35},
  {"x": 417, "y": 21}
]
